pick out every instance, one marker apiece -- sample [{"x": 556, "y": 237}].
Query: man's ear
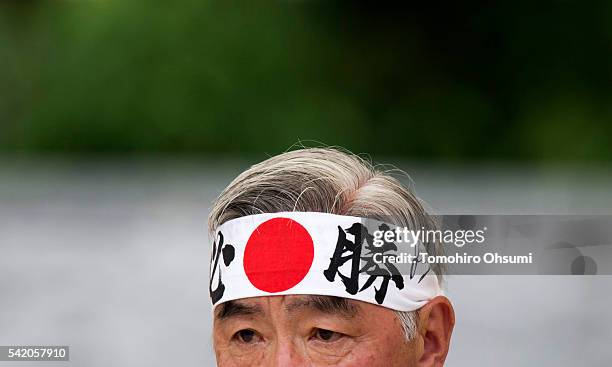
[{"x": 436, "y": 322}]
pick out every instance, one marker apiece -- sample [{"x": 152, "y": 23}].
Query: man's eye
[
  {"x": 327, "y": 335},
  {"x": 246, "y": 336}
]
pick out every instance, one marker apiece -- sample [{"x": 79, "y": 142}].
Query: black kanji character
[
  {"x": 229, "y": 253},
  {"x": 347, "y": 250}
]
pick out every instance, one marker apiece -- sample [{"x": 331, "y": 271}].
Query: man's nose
[{"x": 288, "y": 355}]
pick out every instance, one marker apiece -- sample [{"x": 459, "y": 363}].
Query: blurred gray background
[{"x": 110, "y": 257}]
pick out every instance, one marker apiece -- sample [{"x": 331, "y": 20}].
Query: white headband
[{"x": 310, "y": 254}]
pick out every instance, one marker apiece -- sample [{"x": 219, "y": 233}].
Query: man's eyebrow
[
  {"x": 326, "y": 304},
  {"x": 234, "y": 308}
]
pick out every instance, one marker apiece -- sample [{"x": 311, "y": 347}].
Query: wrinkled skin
[{"x": 288, "y": 331}]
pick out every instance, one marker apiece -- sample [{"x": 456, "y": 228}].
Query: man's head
[{"x": 316, "y": 330}]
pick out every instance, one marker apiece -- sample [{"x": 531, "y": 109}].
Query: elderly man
[{"x": 291, "y": 281}]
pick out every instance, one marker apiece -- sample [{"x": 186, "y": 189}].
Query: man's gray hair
[{"x": 324, "y": 180}]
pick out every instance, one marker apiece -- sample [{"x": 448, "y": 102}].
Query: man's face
[{"x": 299, "y": 330}]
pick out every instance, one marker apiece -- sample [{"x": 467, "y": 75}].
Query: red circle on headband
[{"x": 278, "y": 255}]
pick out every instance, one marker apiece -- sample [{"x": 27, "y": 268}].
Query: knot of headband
[{"x": 310, "y": 253}]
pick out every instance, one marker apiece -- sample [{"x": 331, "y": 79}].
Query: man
[{"x": 291, "y": 283}]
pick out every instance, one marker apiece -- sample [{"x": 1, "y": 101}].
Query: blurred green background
[{"x": 512, "y": 81}]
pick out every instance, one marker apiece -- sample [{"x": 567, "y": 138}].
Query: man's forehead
[{"x": 254, "y": 306}]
